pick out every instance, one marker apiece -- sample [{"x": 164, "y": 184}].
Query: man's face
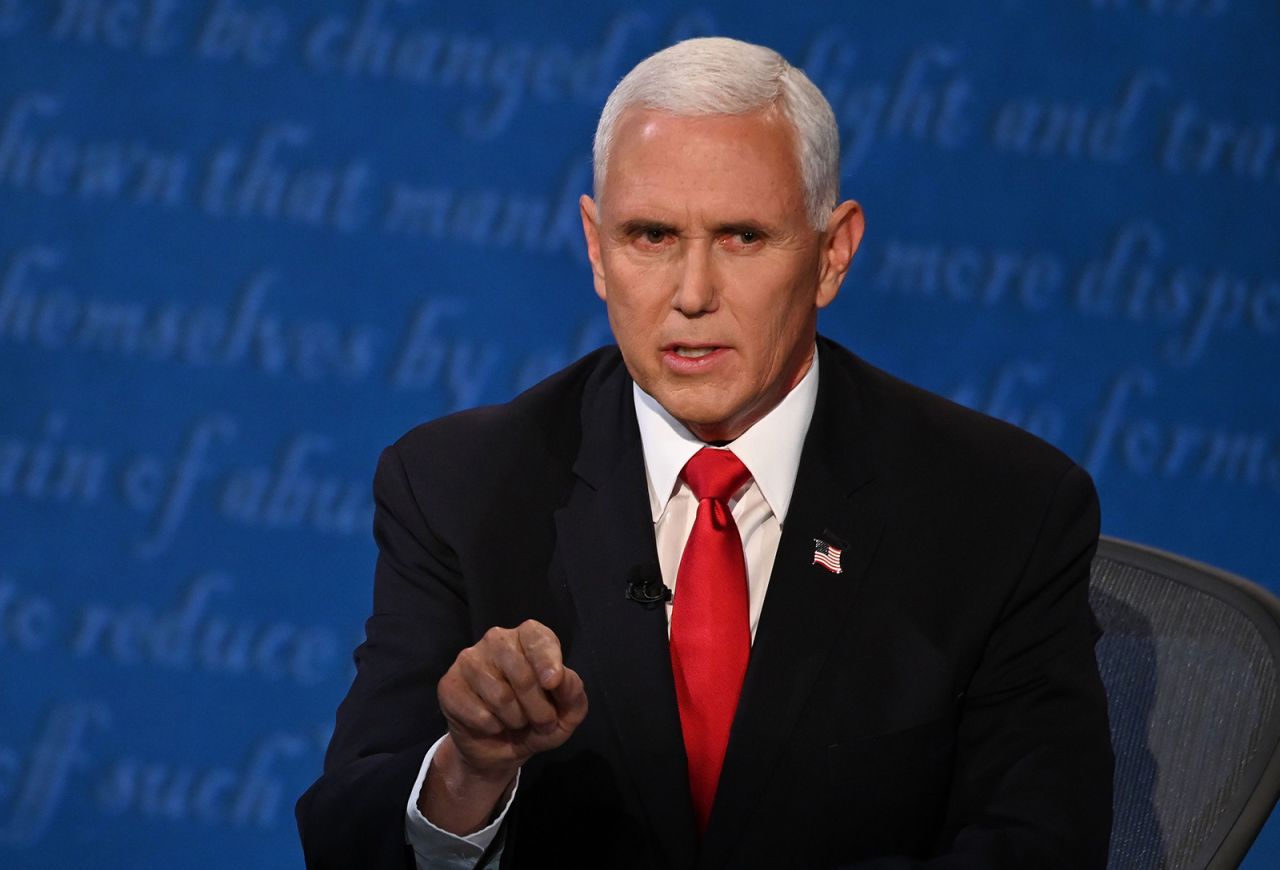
[{"x": 713, "y": 276}]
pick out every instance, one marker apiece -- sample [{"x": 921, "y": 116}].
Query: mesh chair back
[{"x": 1190, "y": 656}]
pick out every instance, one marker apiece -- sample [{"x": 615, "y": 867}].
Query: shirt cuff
[{"x": 435, "y": 847}]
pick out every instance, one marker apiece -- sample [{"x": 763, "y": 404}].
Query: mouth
[
  {"x": 693, "y": 352},
  {"x": 692, "y": 357}
]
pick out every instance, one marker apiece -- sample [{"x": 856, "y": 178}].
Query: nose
[{"x": 696, "y": 291}]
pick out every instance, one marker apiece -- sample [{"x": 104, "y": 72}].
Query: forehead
[{"x": 714, "y": 166}]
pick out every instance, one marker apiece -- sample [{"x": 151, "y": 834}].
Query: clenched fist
[{"x": 505, "y": 699}]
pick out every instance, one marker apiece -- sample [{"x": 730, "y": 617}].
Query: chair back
[{"x": 1190, "y": 656}]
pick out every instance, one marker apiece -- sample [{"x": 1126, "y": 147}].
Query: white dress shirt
[{"x": 770, "y": 450}]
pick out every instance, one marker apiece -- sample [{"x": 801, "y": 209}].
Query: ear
[
  {"x": 839, "y": 244},
  {"x": 591, "y": 230}
]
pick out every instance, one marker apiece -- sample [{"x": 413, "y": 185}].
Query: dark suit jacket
[{"x": 935, "y": 704}]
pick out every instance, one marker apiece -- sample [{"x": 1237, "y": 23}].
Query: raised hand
[{"x": 505, "y": 699}]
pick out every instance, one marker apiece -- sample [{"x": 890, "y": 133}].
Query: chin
[
  {"x": 708, "y": 422},
  {"x": 682, "y": 408}
]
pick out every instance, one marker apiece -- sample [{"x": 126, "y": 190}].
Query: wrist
[
  {"x": 458, "y": 773},
  {"x": 457, "y": 796}
]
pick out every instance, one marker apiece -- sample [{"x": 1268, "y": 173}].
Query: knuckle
[
  {"x": 502, "y": 695},
  {"x": 467, "y": 716},
  {"x": 534, "y": 632},
  {"x": 523, "y": 680},
  {"x": 487, "y": 723},
  {"x": 448, "y": 684}
]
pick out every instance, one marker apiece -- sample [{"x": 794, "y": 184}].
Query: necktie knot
[{"x": 715, "y": 474}]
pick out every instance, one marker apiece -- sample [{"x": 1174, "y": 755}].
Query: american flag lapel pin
[{"x": 826, "y": 555}]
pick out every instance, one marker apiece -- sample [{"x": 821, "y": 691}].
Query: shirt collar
[{"x": 770, "y": 449}]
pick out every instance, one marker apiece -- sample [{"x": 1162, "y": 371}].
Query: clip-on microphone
[{"x": 645, "y": 587}]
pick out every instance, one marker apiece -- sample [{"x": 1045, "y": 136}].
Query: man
[{"x": 879, "y": 652}]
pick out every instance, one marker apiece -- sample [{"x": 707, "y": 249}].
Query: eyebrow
[
  {"x": 729, "y": 229},
  {"x": 636, "y": 226},
  {"x": 643, "y": 225}
]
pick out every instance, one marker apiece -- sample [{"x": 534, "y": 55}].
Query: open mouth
[
  {"x": 694, "y": 352},
  {"x": 693, "y": 357}
]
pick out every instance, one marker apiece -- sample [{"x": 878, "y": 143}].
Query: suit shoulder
[
  {"x": 540, "y": 425},
  {"x": 937, "y": 433}
]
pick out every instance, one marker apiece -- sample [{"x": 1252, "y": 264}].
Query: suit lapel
[
  {"x": 604, "y": 538},
  {"x": 807, "y": 606}
]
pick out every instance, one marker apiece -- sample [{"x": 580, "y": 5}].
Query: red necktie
[{"x": 710, "y": 634}]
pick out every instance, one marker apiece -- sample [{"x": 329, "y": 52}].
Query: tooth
[{"x": 693, "y": 352}]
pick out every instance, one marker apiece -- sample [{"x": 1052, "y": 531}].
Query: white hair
[{"x": 720, "y": 76}]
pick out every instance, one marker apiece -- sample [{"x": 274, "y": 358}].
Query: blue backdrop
[{"x": 246, "y": 243}]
